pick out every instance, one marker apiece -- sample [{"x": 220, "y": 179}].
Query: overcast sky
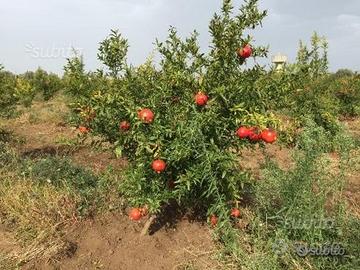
[{"x": 42, "y": 32}]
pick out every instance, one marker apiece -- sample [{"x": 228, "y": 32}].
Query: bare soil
[
  {"x": 114, "y": 242},
  {"x": 7, "y": 242}
]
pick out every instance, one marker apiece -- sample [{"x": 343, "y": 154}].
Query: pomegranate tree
[{"x": 184, "y": 114}]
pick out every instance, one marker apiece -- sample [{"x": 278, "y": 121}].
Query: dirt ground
[{"x": 113, "y": 241}]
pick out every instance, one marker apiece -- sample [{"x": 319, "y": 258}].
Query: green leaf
[{"x": 118, "y": 151}]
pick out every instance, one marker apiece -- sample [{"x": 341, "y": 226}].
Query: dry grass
[
  {"x": 53, "y": 111},
  {"x": 35, "y": 213},
  {"x": 26, "y": 203},
  {"x": 42, "y": 247}
]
